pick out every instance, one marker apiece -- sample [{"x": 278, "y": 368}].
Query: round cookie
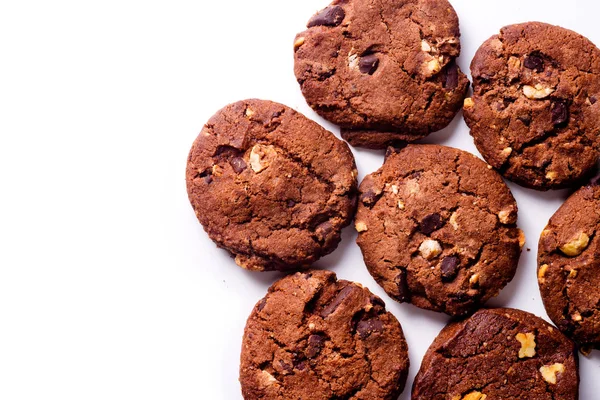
[
  {"x": 437, "y": 228},
  {"x": 384, "y": 71},
  {"x": 569, "y": 267},
  {"x": 499, "y": 354},
  {"x": 313, "y": 337},
  {"x": 534, "y": 113},
  {"x": 271, "y": 186}
]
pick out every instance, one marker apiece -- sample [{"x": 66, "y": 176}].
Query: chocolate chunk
[
  {"x": 286, "y": 367},
  {"x": 560, "y": 113},
  {"x": 593, "y": 99},
  {"x": 301, "y": 365},
  {"x": 261, "y": 304},
  {"x": 208, "y": 179},
  {"x": 451, "y": 76},
  {"x": 525, "y": 119},
  {"x": 238, "y": 164},
  {"x": 366, "y": 327},
  {"x": 337, "y": 300},
  {"x": 431, "y": 223},
  {"x": 315, "y": 344},
  {"x": 291, "y": 203},
  {"x": 534, "y": 61},
  {"x": 326, "y": 228},
  {"x": 368, "y": 64},
  {"x": 369, "y": 198},
  {"x": 330, "y": 16},
  {"x": 402, "y": 284},
  {"x": 449, "y": 268}
]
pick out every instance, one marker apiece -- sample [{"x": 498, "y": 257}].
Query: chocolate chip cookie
[
  {"x": 534, "y": 113},
  {"x": 569, "y": 267},
  {"x": 271, "y": 186},
  {"x": 437, "y": 228},
  {"x": 384, "y": 71},
  {"x": 499, "y": 354},
  {"x": 313, "y": 337}
]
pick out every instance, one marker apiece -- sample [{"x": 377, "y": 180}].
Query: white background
[{"x": 109, "y": 287}]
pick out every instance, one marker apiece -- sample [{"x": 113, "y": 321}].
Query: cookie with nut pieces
[
  {"x": 271, "y": 186},
  {"x": 437, "y": 228},
  {"x": 569, "y": 267},
  {"x": 314, "y": 337},
  {"x": 534, "y": 113},
  {"x": 499, "y": 354},
  {"x": 384, "y": 71}
]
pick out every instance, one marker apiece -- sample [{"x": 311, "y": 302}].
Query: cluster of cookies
[{"x": 436, "y": 225}]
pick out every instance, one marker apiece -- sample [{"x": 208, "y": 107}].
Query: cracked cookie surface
[
  {"x": 437, "y": 228},
  {"x": 569, "y": 267},
  {"x": 271, "y": 186},
  {"x": 499, "y": 354},
  {"x": 313, "y": 337},
  {"x": 534, "y": 114},
  {"x": 384, "y": 71}
]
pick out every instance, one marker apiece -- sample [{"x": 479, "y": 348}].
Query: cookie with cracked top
[
  {"x": 384, "y": 71},
  {"x": 569, "y": 267},
  {"x": 534, "y": 113},
  {"x": 271, "y": 186},
  {"x": 499, "y": 354},
  {"x": 314, "y": 337},
  {"x": 437, "y": 228}
]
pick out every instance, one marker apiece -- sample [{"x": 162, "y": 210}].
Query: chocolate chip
[
  {"x": 449, "y": 268},
  {"x": 315, "y": 344},
  {"x": 208, "y": 179},
  {"x": 451, "y": 76},
  {"x": 261, "y": 304},
  {"x": 291, "y": 203},
  {"x": 402, "y": 284},
  {"x": 595, "y": 181},
  {"x": 331, "y": 16},
  {"x": 326, "y": 228},
  {"x": 525, "y": 119},
  {"x": 368, "y": 64},
  {"x": 431, "y": 223},
  {"x": 337, "y": 300},
  {"x": 534, "y": 61},
  {"x": 390, "y": 151},
  {"x": 369, "y": 326},
  {"x": 560, "y": 113},
  {"x": 238, "y": 164},
  {"x": 285, "y": 366},
  {"x": 567, "y": 326},
  {"x": 369, "y": 197},
  {"x": 301, "y": 365},
  {"x": 593, "y": 99}
]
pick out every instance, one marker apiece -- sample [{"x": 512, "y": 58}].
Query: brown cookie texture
[
  {"x": 499, "y": 354},
  {"x": 384, "y": 71},
  {"x": 271, "y": 186},
  {"x": 314, "y": 337},
  {"x": 534, "y": 113},
  {"x": 437, "y": 228},
  {"x": 569, "y": 267}
]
